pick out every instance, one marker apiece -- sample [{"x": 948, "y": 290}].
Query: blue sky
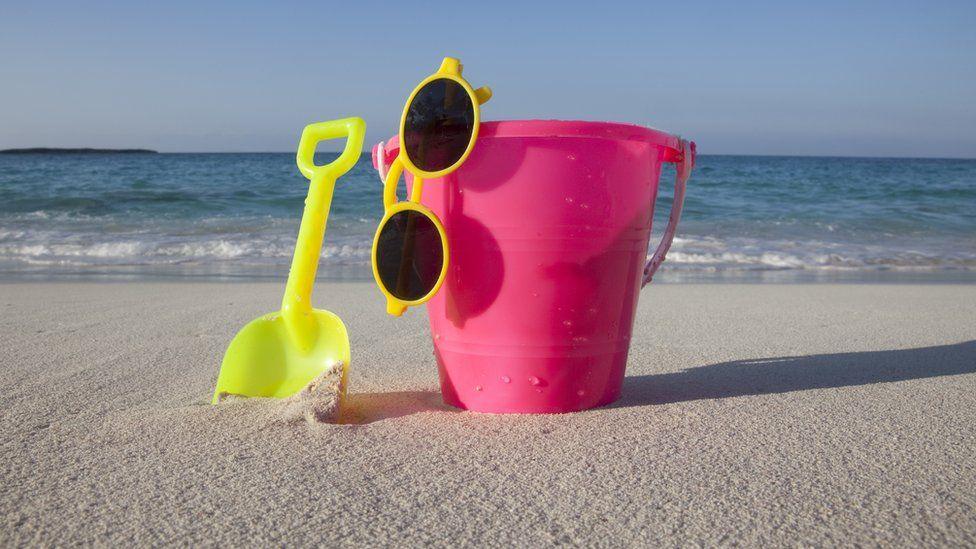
[{"x": 809, "y": 78}]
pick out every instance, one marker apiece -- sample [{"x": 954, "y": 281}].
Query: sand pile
[{"x": 319, "y": 402}]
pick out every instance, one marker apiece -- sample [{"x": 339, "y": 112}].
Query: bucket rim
[
  {"x": 500, "y": 129},
  {"x": 578, "y": 128}
]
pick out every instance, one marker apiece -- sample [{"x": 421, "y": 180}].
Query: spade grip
[
  {"x": 296, "y": 305},
  {"x": 353, "y": 128}
]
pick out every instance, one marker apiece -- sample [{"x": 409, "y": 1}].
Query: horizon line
[
  {"x": 369, "y": 152},
  {"x": 107, "y": 150}
]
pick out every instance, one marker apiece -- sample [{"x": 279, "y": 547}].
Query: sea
[{"x": 235, "y": 216}]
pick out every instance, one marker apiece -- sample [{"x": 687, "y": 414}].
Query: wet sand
[{"x": 752, "y": 414}]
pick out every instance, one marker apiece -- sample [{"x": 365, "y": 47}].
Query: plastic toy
[{"x": 278, "y": 354}]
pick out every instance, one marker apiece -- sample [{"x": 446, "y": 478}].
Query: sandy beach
[{"x": 751, "y": 414}]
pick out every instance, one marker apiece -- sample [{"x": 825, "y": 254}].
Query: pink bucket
[{"x": 548, "y": 225}]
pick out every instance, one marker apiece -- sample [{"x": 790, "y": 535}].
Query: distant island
[{"x": 46, "y": 150}]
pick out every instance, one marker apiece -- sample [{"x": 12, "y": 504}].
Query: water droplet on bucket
[
  {"x": 535, "y": 294},
  {"x": 534, "y": 381},
  {"x": 569, "y": 199},
  {"x": 506, "y": 379},
  {"x": 585, "y": 206},
  {"x": 567, "y": 323},
  {"x": 581, "y": 392},
  {"x": 571, "y": 157},
  {"x": 437, "y": 336},
  {"x": 478, "y": 388}
]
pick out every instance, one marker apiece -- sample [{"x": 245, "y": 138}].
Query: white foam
[{"x": 217, "y": 249}]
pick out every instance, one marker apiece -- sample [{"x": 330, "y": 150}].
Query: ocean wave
[
  {"x": 219, "y": 250},
  {"x": 156, "y": 253},
  {"x": 738, "y": 258},
  {"x": 765, "y": 260},
  {"x": 689, "y": 253}
]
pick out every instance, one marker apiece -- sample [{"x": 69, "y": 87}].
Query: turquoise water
[{"x": 236, "y": 215}]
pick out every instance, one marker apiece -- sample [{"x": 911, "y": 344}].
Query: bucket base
[
  {"x": 457, "y": 403},
  {"x": 542, "y": 385}
]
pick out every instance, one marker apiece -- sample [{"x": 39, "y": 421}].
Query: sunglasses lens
[
  {"x": 439, "y": 124},
  {"x": 409, "y": 255}
]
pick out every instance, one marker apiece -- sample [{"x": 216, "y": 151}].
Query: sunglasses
[{"x": 438, "y": 129}]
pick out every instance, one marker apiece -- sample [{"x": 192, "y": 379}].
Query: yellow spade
[{"x": 278, "y": 354}]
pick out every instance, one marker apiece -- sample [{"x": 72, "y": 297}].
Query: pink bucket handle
[
  {"x": 686, "y": 162},
  {"x": 384, "y": 154}
]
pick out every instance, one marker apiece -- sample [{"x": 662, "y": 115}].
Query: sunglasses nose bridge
[{"x": 393, "y": 173}]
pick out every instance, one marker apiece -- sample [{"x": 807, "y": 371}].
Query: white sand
[{"x": 751, "y": 414}]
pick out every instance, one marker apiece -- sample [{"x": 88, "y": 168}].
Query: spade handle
[{"x": 296, "y": 305}]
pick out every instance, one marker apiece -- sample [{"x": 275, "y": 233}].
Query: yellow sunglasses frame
[{"x": 450, "y": 69}]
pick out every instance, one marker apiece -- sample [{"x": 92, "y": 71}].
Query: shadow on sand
[
  {"x": 724, "y": 380},
  {"x": 364, "y": 408},
  {"x": 798, "y": 373}
]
